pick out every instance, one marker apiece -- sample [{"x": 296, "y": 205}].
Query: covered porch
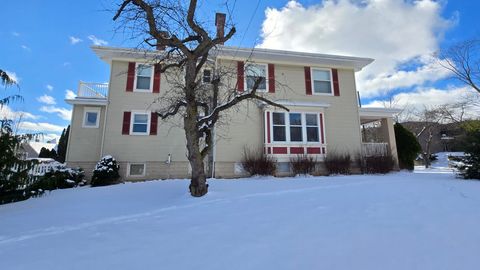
[{"x": 378, "y": 135}]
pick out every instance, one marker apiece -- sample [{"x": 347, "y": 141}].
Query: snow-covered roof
[{"x": 37, "y": 146}]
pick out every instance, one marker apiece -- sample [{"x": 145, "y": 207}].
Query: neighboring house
[
  {"x": 31, "y": 150},
  {"x": 117, "y": 118}
]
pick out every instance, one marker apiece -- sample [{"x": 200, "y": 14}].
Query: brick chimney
[
  {"x": 220, "y": 24},
  {"x": 159, "y": 46}
]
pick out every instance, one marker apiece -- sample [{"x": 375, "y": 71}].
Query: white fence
[
  {"x": 39, "y": 169},
  {"x": 373, "y": 149}
]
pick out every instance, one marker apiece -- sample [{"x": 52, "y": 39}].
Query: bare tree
[
  {"x": 463, "y": 60},
  {"x": 172, "y": 25},
  {"x": 429, "y": 117}
]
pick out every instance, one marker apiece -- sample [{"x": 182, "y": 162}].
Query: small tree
[
  {"x": 471, "y": 170},
  {"x": 105, "y": 172},
  {"x": 62, "y": 145},
  {"x": 408, "y": 147}
]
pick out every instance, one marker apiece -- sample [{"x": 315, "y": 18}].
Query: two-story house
[{"x": 119, "y": 118}]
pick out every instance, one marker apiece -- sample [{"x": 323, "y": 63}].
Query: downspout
[
  {"x": 106, "y": 111},
  {"x": 214, "y": 139}
]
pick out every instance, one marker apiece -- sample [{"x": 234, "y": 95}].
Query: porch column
[{"x": 388, "y": 133}]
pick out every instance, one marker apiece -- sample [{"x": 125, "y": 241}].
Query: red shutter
[
  {"x": 322, "y": 133},
  {"x": 130, "y": 76},
  {"x": 240, "y": 76},
  {"x": 336, "y": 88},
  {"x": 268, "y": 127},
  {"x": 126, "y": 123},
  {"x": 308, "y": 81},
  {"x": 153, "y": 123},
  {"x": 156, "y": 78},
  {"x": 271, "y": 78}
]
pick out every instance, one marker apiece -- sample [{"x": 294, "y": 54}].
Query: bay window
[{"x": 295, "y": 127}]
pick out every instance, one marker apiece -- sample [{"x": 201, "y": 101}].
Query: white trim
[
  {"x": 313, "y": 81},
  {"x": 302, "y": 104},
  {"x": 150, "y": 90},
  {"x": 132, "y": 114},
  {"x": 87, "y": 101},
  {"x": 136, "y": 163},
  {"x": 304, "y": 129},
  {"x": 97, "y": 120},
  {"x": 240, "y": 54},
  {"x": 266, "y": 76},
  {"x": 378, "y": 112}
]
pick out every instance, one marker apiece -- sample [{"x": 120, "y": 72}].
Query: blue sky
[{"x": 36, "y": 44}]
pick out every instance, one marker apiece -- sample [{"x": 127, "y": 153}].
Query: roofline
[
  {"x": 87, "y": 101},
  {"x": 378, "y": 112},
  {"x": 107, "y": 54}
]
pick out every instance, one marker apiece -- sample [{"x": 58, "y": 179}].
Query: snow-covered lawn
[{"x": 398, "y": 221}]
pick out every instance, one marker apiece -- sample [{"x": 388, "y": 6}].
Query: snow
[
  {"x": 396, "y": 221},
  {"x": 442, "y": 164}
]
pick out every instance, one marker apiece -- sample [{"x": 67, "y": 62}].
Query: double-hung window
[
  {"x": 254, "y": 72},
  {"x": 144, "y": 78},
  {"x": 207, "y": 76},
  {"x": 295, "y": 127},
  {"x": 311, "y": 120},
  {"x": 140, "y": 123},
  {"x": 279, "y": 127},
  {"x": 322, "y": 81}
]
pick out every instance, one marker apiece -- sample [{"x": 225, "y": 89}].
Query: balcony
[
  {"x": 90, "y": 94},
  {"x": 92, "y": 90}
]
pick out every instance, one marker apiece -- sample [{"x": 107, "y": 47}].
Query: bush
[
  {"x": 471, "y": 169},
  {"x": 303, "y": 164},
  {"x": 380, "y": 163},
  {"x": 257, "y": 163},
  {"x": 407, "y": 147},
  {"x": 58, "y": 177},
  {"x": 338, "y": 163},
  {"x": 105, "y": 172}
]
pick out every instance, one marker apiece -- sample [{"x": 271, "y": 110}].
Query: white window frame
[
  {"x": 132, "y": 117},
  {"x": 136, "y": 163},
  {"x": 313, "y": 81},
  {"x": 304, "y": 128},
  {"x": 94, "y": 110},
  {"x": 150, "y": 90},
  {"x": 266, "y": 76}
]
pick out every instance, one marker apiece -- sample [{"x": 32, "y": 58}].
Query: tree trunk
[{"x": 198, "y": 184}]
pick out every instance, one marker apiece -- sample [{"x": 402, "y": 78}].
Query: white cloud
[
  {"x": 431, "y": 97},
  {"x": 74, "y": 40},
  {"x": 9, "y": 113},
  {"x": 393, "y": 32},
  {"x": 97, "y": 41},
  {"x": 39, "y": 127},
  {"x": 67, "y": 64},
  {"x": 26, "y": 48},
  {"x": 49, "y": 87},
  {"x": 69, "y": 94},
  {"x": 15, "y": 34},
  {"x": 63, "y": 113},
  {"x": 47, "y": 99}
]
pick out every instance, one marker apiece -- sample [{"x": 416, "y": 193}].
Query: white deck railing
[
  {"x": 373, "y": 149},
  {"x": 92, "y": 90}
]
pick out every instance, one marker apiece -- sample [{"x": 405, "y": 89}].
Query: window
[
  {"x": 91, "y": 117},
  {"x": 312, "y": 127},
  {"x": 140, "y": 123},
  {"x": 295, "y": 127},
  {"x": 144, "y": 77},
  {"x": 279, "y": 127},
  {"x": 207, "y": 76},
  {"x": 136, "y": 169},
  {"x": 252, "y": 73},
  {"x": 322, "y": 83}
]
